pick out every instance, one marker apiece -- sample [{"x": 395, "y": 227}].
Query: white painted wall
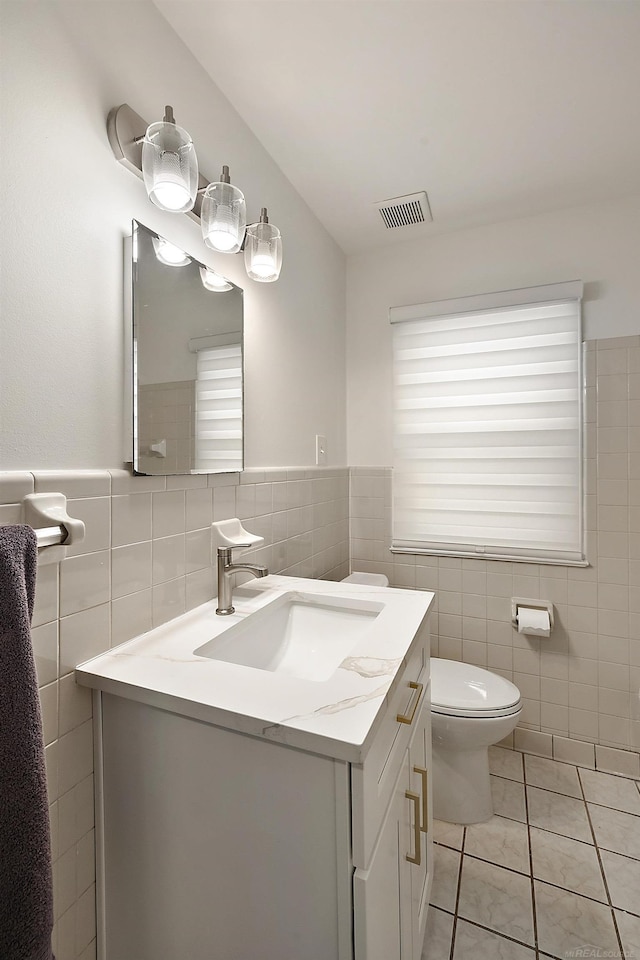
[
  {"x": 599, "y": 244},
  {"x": 66, "y": 206}
]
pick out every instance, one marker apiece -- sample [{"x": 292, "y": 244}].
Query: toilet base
[{"x": 461, "y": 785}]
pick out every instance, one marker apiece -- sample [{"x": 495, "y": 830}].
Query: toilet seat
[{"x": 464, "y": 690}]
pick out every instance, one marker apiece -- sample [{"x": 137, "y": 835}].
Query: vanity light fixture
[
  {"x": 263, "y": 250},
  {"x": 169, "y": 165},
  {"x": 224, "y": 215},
  {"x": 213, "y": 281},
  {"x": 164, "y": 156},
  {"x": 169, "y": 254}
]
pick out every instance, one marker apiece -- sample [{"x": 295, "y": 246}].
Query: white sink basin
[{"x": 302, "y": 635}]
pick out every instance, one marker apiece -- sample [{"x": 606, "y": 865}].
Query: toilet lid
[{"x": 458, "y": 688}]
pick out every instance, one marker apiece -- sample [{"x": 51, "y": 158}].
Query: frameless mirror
[{"x": 187, "y": 362}]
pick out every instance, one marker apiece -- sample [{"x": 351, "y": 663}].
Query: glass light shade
[
  {"x": 263, "y": 252},
  {"x": 169, "y": 167},
  {"x": 213, "y": 281},
  {"x": 223, "y": 217},
  {"x": 169, "y": 254}
]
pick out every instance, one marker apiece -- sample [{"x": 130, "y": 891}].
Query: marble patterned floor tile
[
  {"x": 495, "y": 917},
  {"x": 629, "y": 928},
  {"x": 445, "y": 878},
  {"x": 448, "y": 834},
  {"x": 496, "y": 898},
  {"x": 475, "y": 943},
  {"x": 508, "y": 799},
  {"x": 567, "y": 863},
  {"x": 610, "y": 791},
  {"x": 567, "y": 922},
  {"x": 506, "y": 763},
  {"x": 552, "y": 775},
  {"x": 437, "y": 938},
  {"x": 623, "y": 880},
  {"x": 559, "y": 814},
  {"x": 502, "y": 841},
  {"x": 616, "y": 831}
]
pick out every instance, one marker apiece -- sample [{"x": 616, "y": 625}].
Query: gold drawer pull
[
  {"x": 401, "y": 718},
  {"x": 425, "y": 798},
  {"x": 417, "y": 859}
]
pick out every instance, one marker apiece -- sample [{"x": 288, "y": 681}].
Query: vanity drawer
[{"x": 373, "y": 781}]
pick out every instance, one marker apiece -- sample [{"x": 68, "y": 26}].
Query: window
[
  {"x": 218, "y": 439},
  {"x": 487, "y": 426}
]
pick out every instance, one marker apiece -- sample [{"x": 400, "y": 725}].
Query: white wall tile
[
  {"x": 51, "y": 763},
  {"x": 86, "y": 919},
  {"x": 84, "y": 635},
  {"x": 15, "y": 485},
  {"x": 86, "y": 862},
  {"x": 96, "y": 514},
  {"x": 75, "y": 757},
  {"x": 168, "y": 601},
  {"x": 123, "y": 482},
  {"x": 46, "y": 601},
  {"x": 168, "y": 558},
  {"x": 131, "y": 518},
  {"x": 49, "y": 711},
  {"x": 11, "y": 513},
  {"x": 624, "y": 762},
  {"x": 198, "y": 551},
  {"x": 532, "y": 741},
  {"x": 84, "y": 582},
  {"x": 198, "y": 508},
  {"x": 130, "y": 616},
  {"x": 74, "y": 484},
  {"x": 75, "y": 705},
  {"x": 199, "y": 586},
  {"x": 168, "y": 513},
  {"x": 130, "y": 568},
  {"x": 574, "y": 751},
  {"x": 44, "y": 640}
]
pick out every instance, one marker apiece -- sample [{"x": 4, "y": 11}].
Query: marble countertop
[{"x": 336, "y": 717}]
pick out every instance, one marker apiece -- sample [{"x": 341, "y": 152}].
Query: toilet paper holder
[{"x": 535, "y": 604}]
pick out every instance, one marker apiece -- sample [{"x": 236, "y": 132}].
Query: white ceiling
[{"x": 496, "y": 108}]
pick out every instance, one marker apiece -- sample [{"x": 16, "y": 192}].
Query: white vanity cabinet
[
  {"x": 398, "y": 873},
  {"x": 217, "y": 840}
]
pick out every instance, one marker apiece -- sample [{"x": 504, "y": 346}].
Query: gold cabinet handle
[
  {"x": 425, "y": 798},
  {"x": 417, "y": 859},
  {"x": 402, "y": 718}
]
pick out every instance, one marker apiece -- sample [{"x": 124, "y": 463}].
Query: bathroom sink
[{"x": 302, "y": 635}]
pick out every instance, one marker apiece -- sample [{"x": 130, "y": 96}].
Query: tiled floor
[{"x": 554, "y": 873}]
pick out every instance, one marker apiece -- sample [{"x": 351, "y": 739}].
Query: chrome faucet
[{"x": 226, "y": 570}]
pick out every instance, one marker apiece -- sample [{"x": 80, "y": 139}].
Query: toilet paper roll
[{"x": 535, "y": 621}]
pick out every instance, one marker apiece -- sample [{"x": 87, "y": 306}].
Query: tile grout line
[
  {"x": 533, "y": 889},
  {"x": 458, "y": 888},
  {"x": 602, "y": 870},
  {"x": 569, "y": 796}
]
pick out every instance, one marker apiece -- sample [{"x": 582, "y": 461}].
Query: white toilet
[{"x": 471, "y": 709}]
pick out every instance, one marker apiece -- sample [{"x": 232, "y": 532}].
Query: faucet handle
[{"x": 244, "y": 546}]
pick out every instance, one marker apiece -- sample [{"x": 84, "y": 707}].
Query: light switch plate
[{"x": 321, "y": 450}]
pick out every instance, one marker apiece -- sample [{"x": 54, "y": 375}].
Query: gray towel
[{"x": 26, "y": 895}]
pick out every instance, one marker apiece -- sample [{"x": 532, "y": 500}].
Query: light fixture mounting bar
[{"x": 126, "y": 130}]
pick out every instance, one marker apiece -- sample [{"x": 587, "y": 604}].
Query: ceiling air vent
[{"x": 405, "y": 211}]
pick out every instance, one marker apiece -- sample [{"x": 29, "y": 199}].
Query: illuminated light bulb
[
  {"x": 262, "y": 262},
  {"x": 223, "y": 215},
  {"x": 169, "y": 165},
  {"x": 263, "y": 250}
]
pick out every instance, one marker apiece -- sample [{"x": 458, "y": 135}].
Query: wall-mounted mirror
[{"x": 187, "y": 362}]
